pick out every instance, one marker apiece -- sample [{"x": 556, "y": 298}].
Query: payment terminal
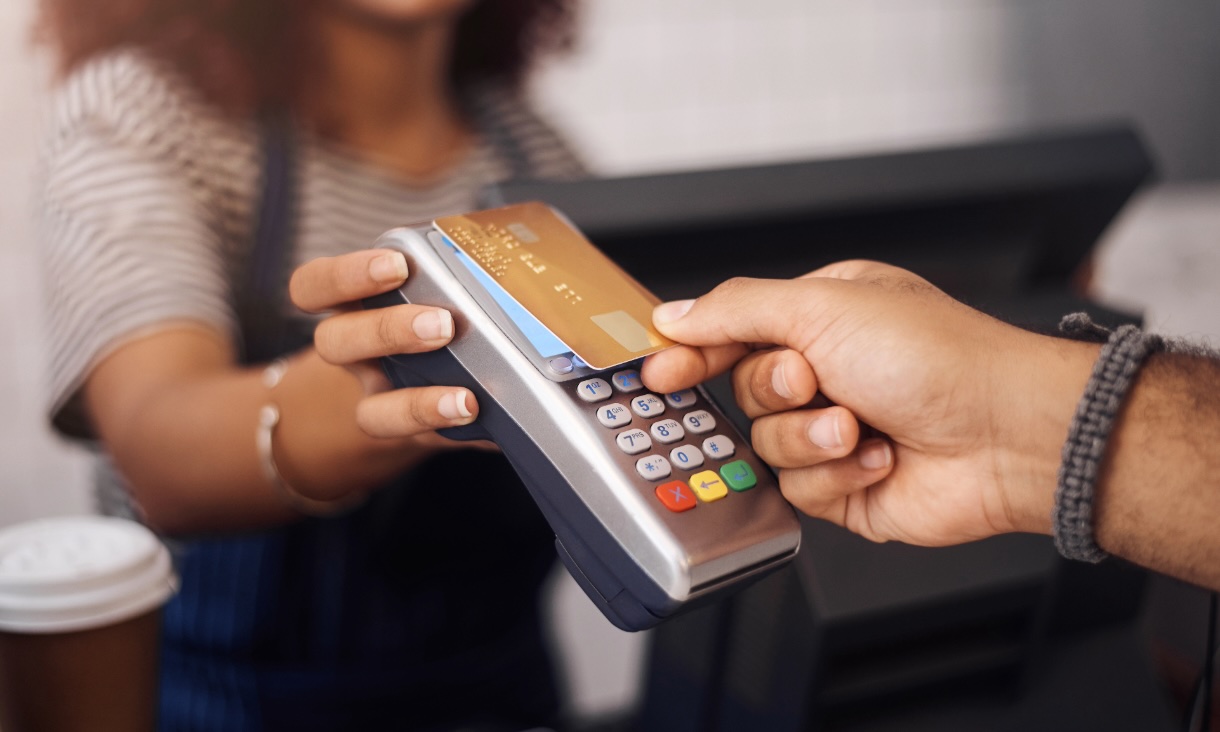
[{"x": 656, "y": 501}]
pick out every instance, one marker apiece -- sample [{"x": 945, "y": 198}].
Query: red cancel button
[{"x": 676, "y": 496}]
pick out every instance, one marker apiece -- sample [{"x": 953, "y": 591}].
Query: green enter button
[{"x": 739, "y": 475}]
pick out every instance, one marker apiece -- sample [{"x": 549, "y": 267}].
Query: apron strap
[{"x": 265, "y": 334}]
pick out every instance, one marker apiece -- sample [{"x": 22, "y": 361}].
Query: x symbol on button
[{"x": 678, "y": 494}]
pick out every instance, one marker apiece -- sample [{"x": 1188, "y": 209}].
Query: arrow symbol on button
[
  {"x": 706, "y": 484},
  {"x": 739, "y": 476}
]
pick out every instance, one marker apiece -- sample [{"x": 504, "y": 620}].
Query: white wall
[
  {"x": 679, "y": 83},
  {"x": 38, "y": 476}
]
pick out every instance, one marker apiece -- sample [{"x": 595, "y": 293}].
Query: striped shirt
[
  {"x": 148, "y": 201},
  {"x": 148, "y": 194}
]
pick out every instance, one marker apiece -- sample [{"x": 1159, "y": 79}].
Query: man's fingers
[
  {"x": 406, "y": 412},
  {"x": 806, "y": 437},
  {"x": 328, "y": 282},
  {"x": 744, "y": 310},
  {"x": 778, "y": 312},
  {"x": 823, "y": 490},
  {"x": 681, "y": 367},
  {"x": 771, "y": 381},
  {"x": 363, "y": 334}
]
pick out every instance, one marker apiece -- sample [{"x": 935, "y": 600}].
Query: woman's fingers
[
  {"x": 805, "y": 437},
  {"x": 823, "y": 490},
  {"x": 358, "y": 335},
  {"x": 371, "y": 376},
  {"x": 406, "y": 412},
  {"x": 772, "y": 381},
  {"x": 329, "y": 282}
]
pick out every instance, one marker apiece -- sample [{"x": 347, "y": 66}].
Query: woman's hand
[
  {"x": 179, "y": 414},
  {"x": 355, "y": 338},
  {"x": 973, "y": 412}
]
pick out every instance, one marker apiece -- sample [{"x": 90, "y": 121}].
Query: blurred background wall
[
  {"x": 664, "y": 84},
  {"x": 658, "y": 84},
  {"x": 37, "y": 475}
]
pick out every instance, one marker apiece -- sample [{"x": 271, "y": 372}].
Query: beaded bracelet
[{"x": 1117, "y": 365}]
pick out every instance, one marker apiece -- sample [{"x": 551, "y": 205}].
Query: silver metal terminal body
[{"x": 688, "y": 554}]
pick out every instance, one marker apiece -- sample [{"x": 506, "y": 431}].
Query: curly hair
[{"x": 247, "y": 54}]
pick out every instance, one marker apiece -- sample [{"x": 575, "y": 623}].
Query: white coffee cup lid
[{"x": 80, "y": 572}]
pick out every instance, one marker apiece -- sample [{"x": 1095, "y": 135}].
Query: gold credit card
[{"x": 556, "y": 274}]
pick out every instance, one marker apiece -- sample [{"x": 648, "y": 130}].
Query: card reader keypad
[
  {"x": 681, "y": 399},
  {"x": 676, "y": 496},
  {"x": 686, "y": 456},
  {"x": 699, "y": 421},
  {"x": 709, "y": 486},
  {"x": 718, "y": 447},
  {"x": 613, "y": 415},
  {"x": 627, "y": 381},
  {"x": 594, "y": 390},
  {"x": 682, "y": 452},
  {"x": 667, "y": 431},
  {"x": 648, "y": 406},
  {"x": 633, "y": 442},
  {"x": 653, "y": 467}
]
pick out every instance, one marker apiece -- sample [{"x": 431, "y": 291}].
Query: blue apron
[{"x": 418, "y": 610}]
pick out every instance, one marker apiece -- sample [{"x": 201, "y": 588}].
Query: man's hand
[{"x": 971, "y": 413}]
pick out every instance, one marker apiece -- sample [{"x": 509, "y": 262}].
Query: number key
[
  {"x": 627, "y": 381},
  {"x": 594, "y": 390},
  {"x": 649, "y": 405},
  {"x": 681, "y": 399},
  {"x": 614, "y": 415},
  {"x": 634, "y": 441},
  {"x": 699, "y": 421},
  {"x": 686, "y": 457},
  {"x": 667, "y": 431}
]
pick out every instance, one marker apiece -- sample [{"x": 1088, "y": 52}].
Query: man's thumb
[{"x": 741, "y": 310}]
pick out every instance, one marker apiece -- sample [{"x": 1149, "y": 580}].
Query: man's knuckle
[
  {"x": 295, "y": 293},
  {"x": 734, "y": 287},
  {"x": 774, "y": 442}
]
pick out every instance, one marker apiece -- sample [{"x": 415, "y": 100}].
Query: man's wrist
[{"x": 1051, "y": 374}]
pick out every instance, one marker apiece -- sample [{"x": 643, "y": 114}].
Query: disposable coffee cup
[{"x": 80, "y": 602}]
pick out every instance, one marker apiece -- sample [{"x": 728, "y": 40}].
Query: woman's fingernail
[
  {"x": 779, "y": 381},
  {"x": 433, "y": 325},
  {"x": 453, "y": 405},
  {"x": 389, "y": 267},
  {"x": 876, "y": 456},
  {"x": 824, "y": 432},
  {"x": 668, "y": 312}
]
